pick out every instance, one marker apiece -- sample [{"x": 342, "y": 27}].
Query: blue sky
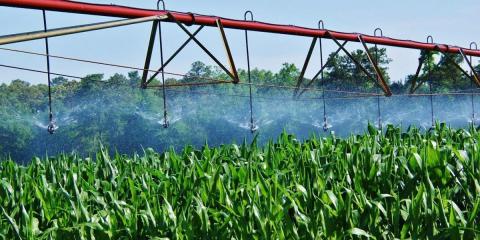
[{"x": 452, "y": 22}]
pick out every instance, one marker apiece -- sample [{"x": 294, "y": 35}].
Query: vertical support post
[
  {"x": 379, "y": 113},
  {"x": 253, "y": 128},
  {"x": 165, "y": 119},
  {"x": 430, "y": 40},
  {"x": 51, "y": 124}
]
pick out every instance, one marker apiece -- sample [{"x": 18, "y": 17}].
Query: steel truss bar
[
  {"x": 190, "y": 18},
  {"x": 380, "y": 79},
  {"x": 234, "y": 78},
  {"x": 305, "y": 65},
  {"x": 473, "y": 78},
  {"x": 151, "y": 44},
  {"x": 322, "y": 69},
  {"x": 28, "y": 36},
  {"x": 474, "y": 73},
  {"x": 460, "y": 68},
  {"x": 413, "y": 87},
  {"x": 173, "y": 56},
  {"x": 233, "y": 69},
  {"x": 421, "y": 83},
  {"x": 359, "y": 65}
]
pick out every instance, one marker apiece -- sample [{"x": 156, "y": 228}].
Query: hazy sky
[{"x": 452, "y": 22}]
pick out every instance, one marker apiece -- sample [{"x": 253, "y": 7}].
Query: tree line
[{"x": 117, "y": 112}]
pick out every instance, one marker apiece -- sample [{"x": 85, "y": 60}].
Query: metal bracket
[
  {"x": 230, "y": 74},
  {"x": 380, "y": 78}
]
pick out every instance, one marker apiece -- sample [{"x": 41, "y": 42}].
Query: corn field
[{"x": 373, "y": 186}]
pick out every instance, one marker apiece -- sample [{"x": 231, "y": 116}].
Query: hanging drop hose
[
  {"x": 325, "y": 122},
  {"x": 51, "y": 124},
  {"x": 165, "y": 119},
  {"x": 379, "y": 112},
  {"x": 253, "y": 128},
  {"x": 471, "y": 85},
  {"x": 430, "y": 81}
]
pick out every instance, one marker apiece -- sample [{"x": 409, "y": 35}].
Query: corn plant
[{"x": 405, "y": 185}]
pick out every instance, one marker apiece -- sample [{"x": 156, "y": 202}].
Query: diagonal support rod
[
  {"x": 233, "y": 69},
  {"x": 305, "y": 65},
  {"x": 202, "y": 47},
  {"x": 357, "y": 63},
  {"x": 474, "y": 78},
  {"x": 151, "y": 44},
  {"x": 381, "y": 79},
  {"x": 28, "y": 36},
  {"x": 425, "y": 80},
  {"x": 322, "y": 69},
  {"x": 173, "y": 55},
  {"x": 458, "y": 67},
  {"x": 474, "y": 73},
  {"x": 414, "y": 86}
]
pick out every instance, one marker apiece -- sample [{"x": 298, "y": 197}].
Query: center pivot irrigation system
[{"x": 136, "y": 15}]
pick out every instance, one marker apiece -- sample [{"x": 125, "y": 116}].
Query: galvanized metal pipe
[
  {"x": 28, "y": 36},
  {"x": 189, "y": 19}
]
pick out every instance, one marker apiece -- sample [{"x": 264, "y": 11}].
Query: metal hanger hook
[
  {"x": 321, "y": 25},
  {"x": 429, "y": 39},
  {"x": 378, "y": 30},
  {"x": 472, "y": 45},
  {"x": 245, "y": 15},
  {"x": 158, "y": 4}
]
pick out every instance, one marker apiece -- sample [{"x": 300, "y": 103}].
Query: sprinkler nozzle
[{"x": 51, "y": 127}]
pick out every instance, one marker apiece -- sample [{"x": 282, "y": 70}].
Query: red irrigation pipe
[{"x": 191, "y": 18}]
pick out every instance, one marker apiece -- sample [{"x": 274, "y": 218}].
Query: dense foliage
[{"x": 380, "y": 186}]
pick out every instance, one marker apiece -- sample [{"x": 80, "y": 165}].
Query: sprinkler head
[
  {"x": 166, "y": 124},
  {"x": 325, "y": 126},
  {"x": 51, "y": 127},
  {"x": 253, "y": 128}
]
